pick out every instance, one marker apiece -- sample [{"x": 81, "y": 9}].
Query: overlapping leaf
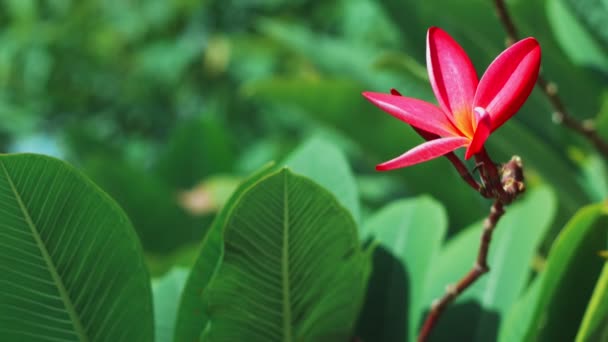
[
  {"x": 291, "y": 270},
  {"x": 566, "y": 284}
]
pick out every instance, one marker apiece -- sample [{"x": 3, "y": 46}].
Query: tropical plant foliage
[{"x": 171, "y": 225}]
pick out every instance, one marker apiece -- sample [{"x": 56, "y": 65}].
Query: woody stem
[
  {"x": 504, "y": 187},
  {"x": 479, "y": 269}
]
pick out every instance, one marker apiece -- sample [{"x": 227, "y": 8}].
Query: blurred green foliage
[
  {"x": 183, "y": 90},
  {"x": 156, "y": 99}
]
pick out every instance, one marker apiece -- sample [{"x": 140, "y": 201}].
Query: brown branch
[
  {"x": 561, "y": 115},
  {"x": 504, "y": 185},
  {"x": 480, "y": 268}
]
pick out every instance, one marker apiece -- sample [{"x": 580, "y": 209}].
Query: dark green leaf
[
  {"x": 292, "y": 268},
  {"x": 72, "y": 267},
  {"x": 595, "y": 322},
  {"x": 191, "y": 317},
  {"x": 572, "y": 269}
]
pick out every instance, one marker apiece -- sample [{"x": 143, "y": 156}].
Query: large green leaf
[
  {"x": 412, "y": 231},
  {"x": 167, "y": 289},
  {"x": 72, "y": 267},
  {"x": 576, "y": 41},
  {"x": 191, "y": 316},
  {"x": 595, "y": 321},
  {"x": 567, "y": 281},
  {"x": 324, "y": 163},
  {"x": 514, "y": 244},
  {"x": 513, "y": 326},
  {"x": 292, "y": 268},
  {"x": 593, "y": 14}
]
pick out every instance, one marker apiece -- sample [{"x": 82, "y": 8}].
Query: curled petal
[
  {"x": 427, "y": 151},
  {"x": 482, "y": 132},
  {"x": 509, "y": 81},
  {"x": 415, "y": 112},
  {"x": 451, "y": 72}
]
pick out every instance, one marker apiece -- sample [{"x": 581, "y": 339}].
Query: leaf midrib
[
  {"x": 69, "y": 306},
  {"x": 285, "y": 265}
]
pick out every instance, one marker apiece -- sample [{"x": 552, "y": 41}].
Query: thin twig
[
  {"x": 561, "y": 115},
  {"x": 504, "y": 185},
  {"x": 480, "y": 268}
]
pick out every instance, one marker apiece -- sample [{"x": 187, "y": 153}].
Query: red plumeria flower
[{"x": 469, "y": 110}]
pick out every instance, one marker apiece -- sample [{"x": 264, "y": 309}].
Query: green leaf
[
  {"x": 582, "y": 48},
  {"x": 412, "y": 231},
  {"x": 166, "y": 290},
  {"x": 72, "y": 267},
  {"x": 324, "y": 163},
  {"x": 593, "y": 14},
  {"x": 192, "y": 318},
  {"x": 516, "y": 239},
  {"x": 292, "y": 268},
  {"x": 567, "y": 281},
  {"x": 594, "y": 177},
  {"x": 595, "y": 321},
  {"x": 513, "y": 327}
]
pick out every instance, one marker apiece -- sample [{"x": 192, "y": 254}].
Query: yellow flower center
[{"x": 465, "y": 121}]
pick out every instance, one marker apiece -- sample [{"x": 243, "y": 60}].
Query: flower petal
[
  {"x": 424, "y": 134},
  {"x": 415, "y": 112},
  {"x": 451, "y": 72},
  {"x": 426, "y": 151},
  {"x": 509, "y": 80},
  {"x": 482, "y": 132}
]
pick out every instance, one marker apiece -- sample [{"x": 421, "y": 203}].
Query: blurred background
[{"x": 167, "y": 104}]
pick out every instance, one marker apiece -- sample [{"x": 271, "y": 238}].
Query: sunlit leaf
[
  {"x": 412, "y": 232},
  {"x": 324, "y": 163},
  {"x": 167, "y": 290}
]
